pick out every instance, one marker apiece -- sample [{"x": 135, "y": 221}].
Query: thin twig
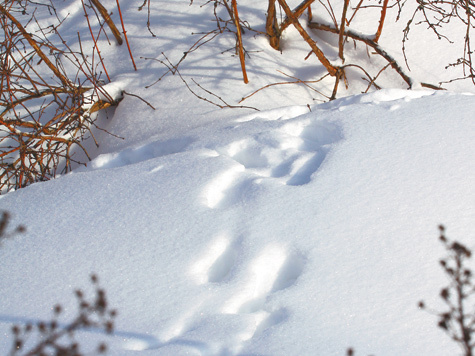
[
  {"x": 33, "y": 44},
  {"x": 341, "y": 39},
  {"x": 125, "y": 35},
  {"x": 297, "y": 81},
  {"x": 138, "y": 97},
  {"x": 105, "y": 15},
  {"x": 239, "y": 42},
  {"x": 378, "y": 50},
  {"x": 94, "y": 40}
]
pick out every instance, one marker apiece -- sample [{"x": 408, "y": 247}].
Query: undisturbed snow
[{"x": 297, "y": 230}]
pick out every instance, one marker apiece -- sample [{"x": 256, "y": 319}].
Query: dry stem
[
  {"x": 318, "y": 52},
  {"x": 239, "y": 41},
  {"x": 105, "y": 15}
]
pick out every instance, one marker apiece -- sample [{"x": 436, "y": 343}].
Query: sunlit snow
[{"x": 301, "y": 229}]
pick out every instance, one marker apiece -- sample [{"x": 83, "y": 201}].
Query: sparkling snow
[{"x": 295, "y": 230}]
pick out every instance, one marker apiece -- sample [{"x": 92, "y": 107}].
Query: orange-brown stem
[
  {"x": 318, "y": 52},
  {"x": 381, "y": 21},
  {"x": 377, "y": 48},
  {"x": 35, "y": 46},
  {"x": 272, "y": 28},
  {"x": 95, "y": 41},
  {"x": 105, "y": 15},
  {"x": 341, "y": 39},
  {"x": 299, "y": 10},
  {"x": 125, "y": 35},
  {"x": 239, "y": 42}
]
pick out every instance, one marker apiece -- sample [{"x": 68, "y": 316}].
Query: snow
[{"x": 295, "y": 230}]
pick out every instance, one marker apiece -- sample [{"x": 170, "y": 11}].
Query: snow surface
[{"x": 295, "y": 230}]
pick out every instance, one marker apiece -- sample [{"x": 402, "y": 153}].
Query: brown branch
[
  {"x": 372, "y": 81},
  {"x": 298, "y": 11},
  {"x": 94, "y": 39},
  {"x": 148, "y": 16},
  {"x": 40, "y": 138},
  {"x": 467, "y": 48},
  {"x": 100, "y": 105},
  {"x": 272, "y": 28},
  {"x": 226, "y": 105},
  {"x": 35, "y": 46},
  {"x": 318, "y": 52},
  {"x": 341, "y": 39},
  {"x": 108, "y": 20},
  {"x": 125, "y": 35},
  {"x": 340, "y": 74},
  {"x": 297, "y": 81},
  {"x": 230, "y": 13},
  {"x": 355, "y": 11},
  {"x": 174, "y": 70},
  {"x": 378, "y": 50},
  {"x": 51, "y": 91},
  {"x": 239, "y": 42},
  {"x": 381, "y": 21},
  {"x": 140, "y": 98}
]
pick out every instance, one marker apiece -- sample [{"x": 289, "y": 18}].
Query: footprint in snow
[
  {"x": 218, "y": 261},
  {"x": 247, "y": 313},
  {"x": 273, "y": 270},
  {"x": 291, "y": 154}
]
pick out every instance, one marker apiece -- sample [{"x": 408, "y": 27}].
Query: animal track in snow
[
  {"x": 217, "y": 263},
  {"x": 273, "y": 270},
  {"x": 216, "y": 193},
  {"x": 248, "y": 312},
  {"x": 291, "y": 153}
]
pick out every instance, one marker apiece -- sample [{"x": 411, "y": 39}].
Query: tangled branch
[
  {"x": 436, "y": 15},
  {"x": 45, "y": 110}
]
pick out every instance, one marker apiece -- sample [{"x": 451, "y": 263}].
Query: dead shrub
[
  {"x": 48, "y": 97},
  {"x": 458, "y": 320}
]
